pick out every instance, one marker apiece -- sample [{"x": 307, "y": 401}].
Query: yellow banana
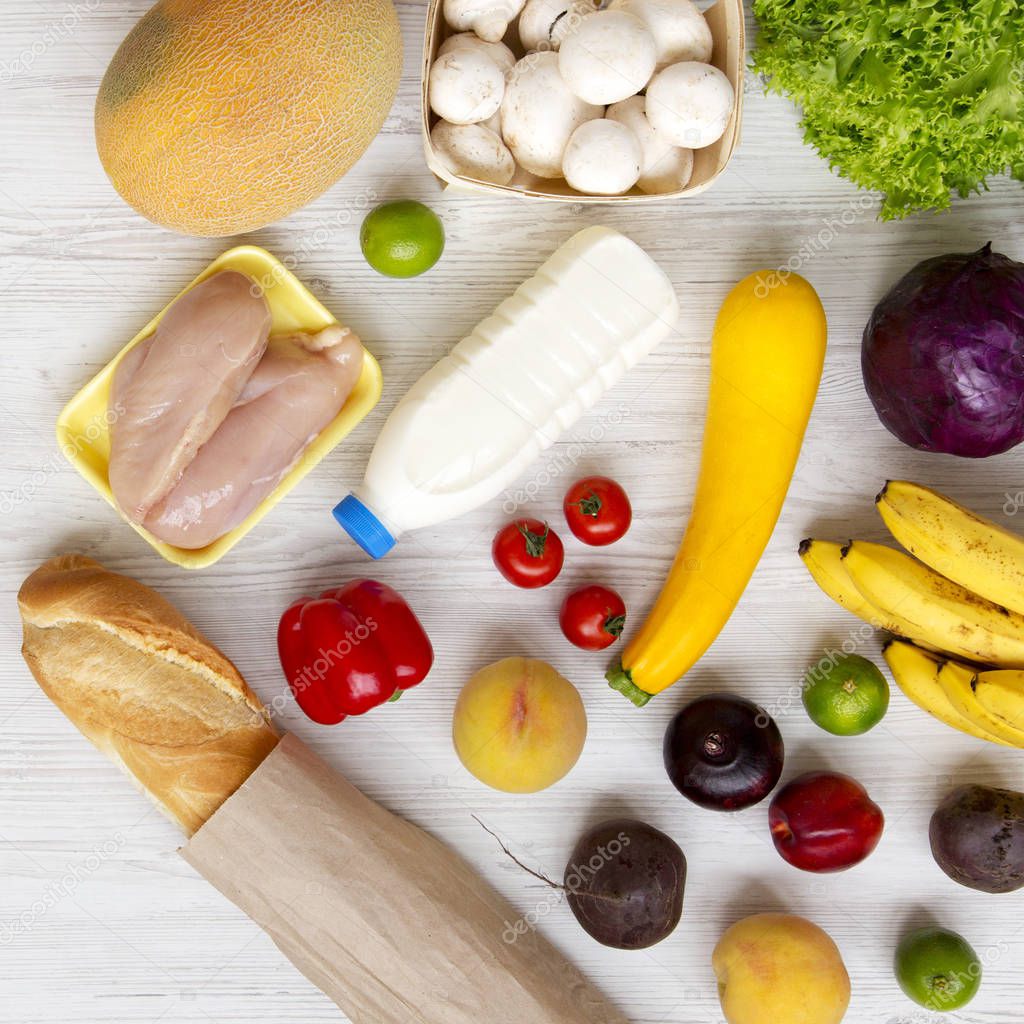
[
  {"x": 958, "y": 682},
  {"x": 824, "y": 561},
  {"x": 971, "y": 550},
  {"x": 923, "y": 606},
  {"x": 1001, "y": 693},
  {"x": 916, "y": 673}
]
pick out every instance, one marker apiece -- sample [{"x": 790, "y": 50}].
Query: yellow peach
[
  {"x": 780, "y": 969},
  {"x": 519, "y": 725}
]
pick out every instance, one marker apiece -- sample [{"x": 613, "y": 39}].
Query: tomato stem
[
  {"x": 535, "y": 542},
  {"x": 615, "y": 624},
  {"x": 589, "y": 506}
]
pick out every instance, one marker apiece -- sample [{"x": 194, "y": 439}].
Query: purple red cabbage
[{"x": 943, "y": 355}]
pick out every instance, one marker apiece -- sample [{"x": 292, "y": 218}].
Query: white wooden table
[{"x": 101, "y": 921}]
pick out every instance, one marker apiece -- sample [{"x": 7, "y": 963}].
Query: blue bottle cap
[{"x": 363, "y": 527}]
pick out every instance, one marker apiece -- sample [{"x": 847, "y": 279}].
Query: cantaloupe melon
[{"x": 220, "y": 116}]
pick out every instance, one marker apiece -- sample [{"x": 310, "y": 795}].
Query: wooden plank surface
[{"x": 101, "y": 921}]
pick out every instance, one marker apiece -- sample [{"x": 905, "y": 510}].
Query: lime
[
  {"x": 846, "y": 695},
  {"x": 937, "y": 969},
  {"x": 402, "y": 239}
]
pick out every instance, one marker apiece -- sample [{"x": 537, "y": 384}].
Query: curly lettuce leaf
[{"x": 915, "y": 99}]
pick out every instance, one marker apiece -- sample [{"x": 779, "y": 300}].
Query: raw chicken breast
[
  {"x": 174, "y": 390},
  {"x": 298, "y": 388},
  {"x": 130, "y": 362}
]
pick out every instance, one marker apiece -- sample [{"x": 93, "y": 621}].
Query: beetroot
[
  {"x": 977, "y": 838},
  {"x": 625, "y": 884}
]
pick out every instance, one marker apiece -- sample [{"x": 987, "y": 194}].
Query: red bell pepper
[{"x": 351, "y": 649}]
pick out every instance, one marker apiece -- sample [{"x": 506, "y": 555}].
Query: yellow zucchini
[{"x": 766, "y": 359}]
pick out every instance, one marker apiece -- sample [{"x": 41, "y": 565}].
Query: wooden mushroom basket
[{"x": 726, "y": 20}]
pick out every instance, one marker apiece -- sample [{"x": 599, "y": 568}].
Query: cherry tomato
[
  {"x": 597, "y": 510},
  {"x": 592, "y": 617},
  {"x": 528, "y": 553}
]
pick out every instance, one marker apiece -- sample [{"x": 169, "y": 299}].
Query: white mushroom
[
  {"x": 680, "y": 31},
  {"x": 489, "y": 19},
  {"x": 610, "y": 56},
  {"x": 526, "y": 181},
  {"x": 602, "y": 159},
  {"x": 664, "y": 167},
  {"x": 498, "y": 52},
  {"x": 545, "y": 23},
  {"x": 473, "y": 151},
  {"x": 689, "y": 104},
  {"x": 631, "y": 113},
  {"x": 465, "y": 86},
  {"x": 669, "y": 175},
  {"x": 539, "y": 113},
  {"x": 494, "y": 123}
]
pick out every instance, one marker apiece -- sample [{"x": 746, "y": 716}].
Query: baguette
[
  {"x": 389, "y": 922},
  {"x": 143, "y": 685}
]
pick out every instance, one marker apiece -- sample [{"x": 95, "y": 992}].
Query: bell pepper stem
[
  {"x": 397, "y": 695},
  {"x": 620, "y": 679}
]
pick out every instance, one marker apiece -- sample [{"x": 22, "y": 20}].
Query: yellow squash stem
[{"x": 766, "y": 360}]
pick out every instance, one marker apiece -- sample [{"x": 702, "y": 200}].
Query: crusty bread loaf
[{"x": 145, "y": 686}]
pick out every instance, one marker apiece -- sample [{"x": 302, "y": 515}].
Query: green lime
[
  {"x": 402, "y": 239},
  {"x": 846, "y": 695},
  {"x": 938, "y": 969}
]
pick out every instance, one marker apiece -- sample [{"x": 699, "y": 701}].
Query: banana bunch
[{"x": 955, "y": 603}]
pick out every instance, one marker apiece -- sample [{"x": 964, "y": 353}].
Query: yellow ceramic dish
[{"x": 83, "y": 428}]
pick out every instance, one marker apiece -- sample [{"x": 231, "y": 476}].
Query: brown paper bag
[{"x": 390, "y": 923}]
